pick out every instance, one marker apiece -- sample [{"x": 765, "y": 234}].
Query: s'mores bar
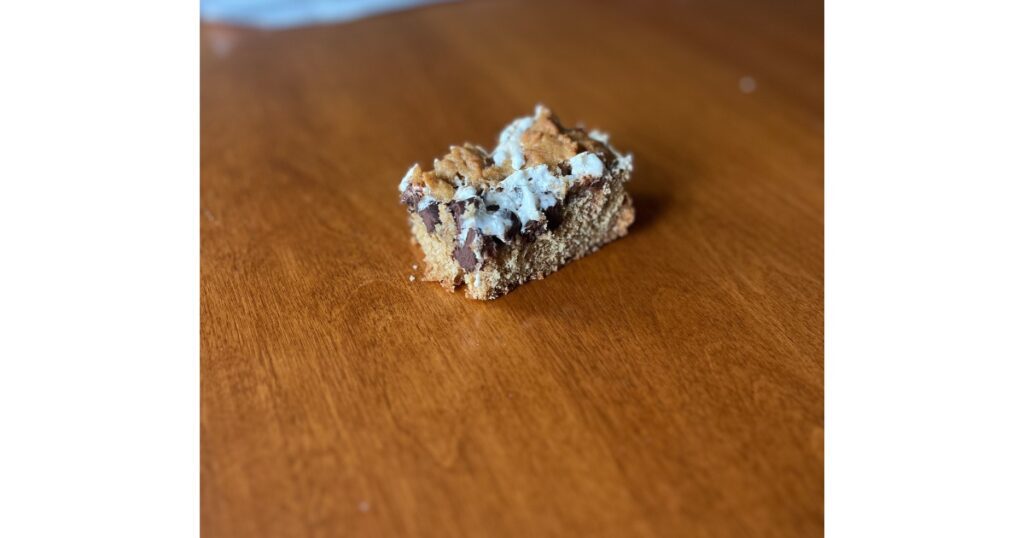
[{"x": 546, "y": 195}]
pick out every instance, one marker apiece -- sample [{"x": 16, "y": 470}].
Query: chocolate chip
[
  {"x": 457, "y": 209},
  {"x": 491, "y": 245},
  {"x": 430, "y": 217},
  {"x": 554, "y": 216},
  {"x": 564, "y": 168},
  {"x": 411, "y": 196},
  {"x": 492, "y": 208},
  {"x": 593, "y": 184},
  {"x": 464, "y": 253},
  {"x": 515, "y": 228},
  {"x": 532, "y": 230}
]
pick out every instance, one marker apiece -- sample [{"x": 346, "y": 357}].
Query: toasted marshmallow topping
[{"x": 497, "y": 195}]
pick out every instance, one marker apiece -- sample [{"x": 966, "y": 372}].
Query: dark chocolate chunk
[
  {"x": 464, "y": 253},
  {"x": 430, "y": 217},
  {"x": 591, "y": 183},
  {"x": 457, "y": 209},
  {"x": 411, "y": 196},
  {"x": 516, "y": 227},
  {"x": 554, "y": 216},
  {"x": 492, "y": 208},
  {"x": 564, "y": 168},
  {"x": 532, "y": 230},
  {"x": 491, "y": 245}
]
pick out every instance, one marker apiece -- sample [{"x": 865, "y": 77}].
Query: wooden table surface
[{"x": 669, "y": 385}]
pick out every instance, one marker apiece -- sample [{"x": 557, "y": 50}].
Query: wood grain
[{"x": 669, "y": 385}]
